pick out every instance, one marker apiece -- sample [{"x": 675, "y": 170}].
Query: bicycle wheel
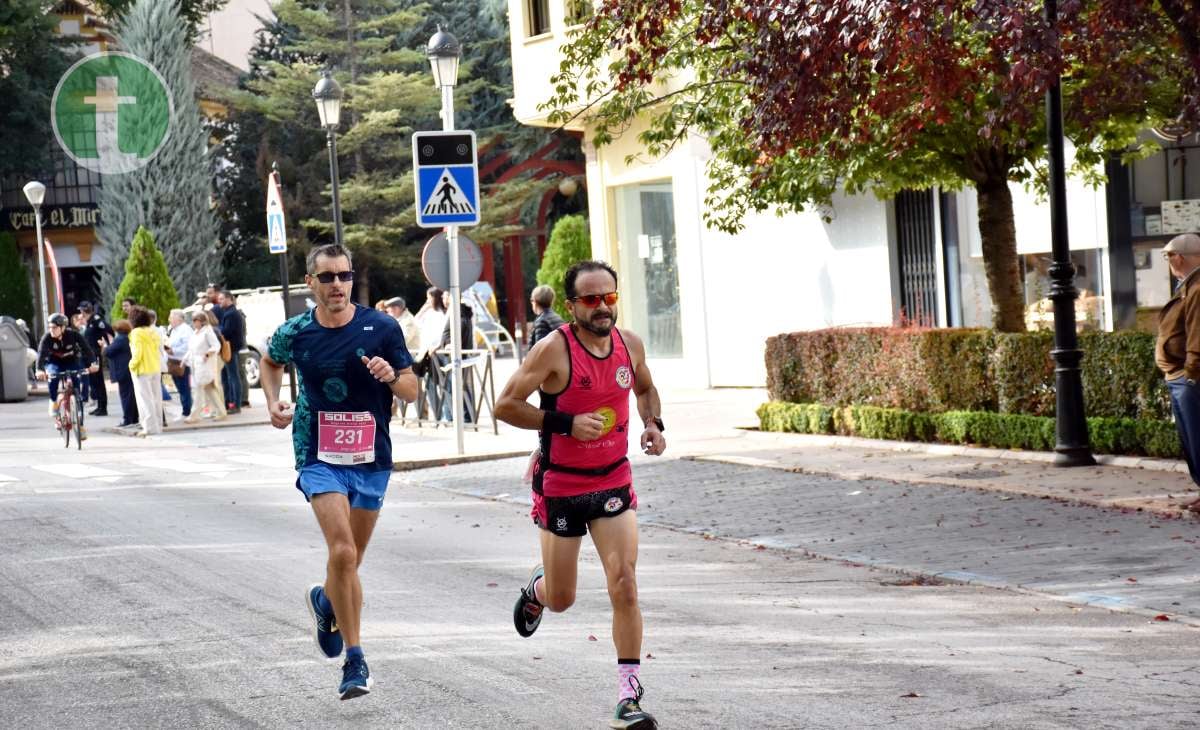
[
  {"x": 64, "y": 415},
  {"x": 78, "y": 416}
]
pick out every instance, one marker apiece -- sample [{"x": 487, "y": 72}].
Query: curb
[
  {"x": 1125, "y": 462},
  {"x": 418, "y": 464},
  {"x": 177, "y": 428},
  {"x": 1109, "y": 603}
]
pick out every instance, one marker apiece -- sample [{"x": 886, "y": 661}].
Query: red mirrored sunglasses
[{"x": 593, "y": 300}]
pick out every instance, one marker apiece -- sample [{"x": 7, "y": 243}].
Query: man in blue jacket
[{"x": 233, "y": 327}]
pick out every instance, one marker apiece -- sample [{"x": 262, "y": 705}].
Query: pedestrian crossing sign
[
  {"x": 276, "y": 228},
  {"x": 447, "y": 177}
]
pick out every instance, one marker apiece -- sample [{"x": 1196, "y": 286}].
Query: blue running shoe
[
  {"x": 356, "y": 679},
  {"x": 329, "y": 639}
]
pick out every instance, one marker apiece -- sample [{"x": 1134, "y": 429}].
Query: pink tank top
[{"x": 595, "y": 385}]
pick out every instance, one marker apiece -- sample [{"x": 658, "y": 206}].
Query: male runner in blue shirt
[{"x": 351, "y": 360}]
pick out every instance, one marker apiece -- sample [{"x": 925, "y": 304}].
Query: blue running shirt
[{"x": 333, "y": 378}]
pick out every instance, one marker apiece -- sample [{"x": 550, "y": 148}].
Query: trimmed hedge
[
  {"x": 998, "y": 430},
  {"x": 944, "y": 370}
]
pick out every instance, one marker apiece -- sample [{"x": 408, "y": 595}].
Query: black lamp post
[
  {"x": 328, "y": 96},
  {"x": 1072, "y": 447}
]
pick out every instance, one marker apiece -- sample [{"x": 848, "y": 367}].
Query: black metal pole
[
  {"x": 331, "y": 138},
  {"x": 1072, "y": 447}
]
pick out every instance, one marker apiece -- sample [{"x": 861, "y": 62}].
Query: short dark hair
[
  {"x": 122, "y": 326},
  {"x": 131, "y": 301},
  {"x": 329, "y": 251},
  {"x": 581, "y": 267},
  {"x": 139, "y": 316},
  {"x": 543, "y": 296}
]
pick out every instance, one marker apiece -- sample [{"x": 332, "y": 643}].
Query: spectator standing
[
  {"x": 466, "y": 330},
  {"x": 204, "y": 361},
  {"x": 119, "y": 355},
  {"x": 398, "y": 310},
  {"x": 179, "y": 334},
  {"x": 98, "y": 335},
  {"x": 1177, "y": 351},
  {"x": 126, "y": 304},
  {"x": 145, "y": 365},
  {"x": 212, "y": 297},
  {"x": 542, "y": 299},
  {"x": 233, "y": 328}
]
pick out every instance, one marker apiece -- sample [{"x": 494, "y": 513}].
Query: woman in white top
[
  {"x": 179, "y": 334},
  {"x": 204, "y": 359}
]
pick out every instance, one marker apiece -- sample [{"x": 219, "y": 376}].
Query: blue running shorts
[{"x": 364, "y": 489}]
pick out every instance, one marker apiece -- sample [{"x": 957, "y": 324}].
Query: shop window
[
  {"x": 1090, "y": 308},
  {"x": 648, "y": 266},
  {"x": 537, "y": 16}
]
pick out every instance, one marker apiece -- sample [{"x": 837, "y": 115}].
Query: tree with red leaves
[{"x": 801, "y": 99}]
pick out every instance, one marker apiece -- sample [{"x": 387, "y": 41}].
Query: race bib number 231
[{"x": 345, "y": 437}]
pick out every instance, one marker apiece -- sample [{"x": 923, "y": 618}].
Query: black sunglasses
[{"x": 327, "y": 277}]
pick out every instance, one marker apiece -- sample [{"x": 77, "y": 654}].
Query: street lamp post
[
  {"x": 328, "y": 95},
  {"x": 1072, "y": 447},
  {"x": 443, "y": 52},
  {"x": 35, "y": 192}
]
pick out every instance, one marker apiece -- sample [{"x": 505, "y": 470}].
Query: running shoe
[
  {"x": 527, "y": 614},
  {"x": 356, "y": 679},
  {"x": 329, "y": 639},
  {"x": 630, "y": 715}
]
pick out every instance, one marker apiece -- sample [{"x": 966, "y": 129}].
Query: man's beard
[{"x": 600, "y": 330}]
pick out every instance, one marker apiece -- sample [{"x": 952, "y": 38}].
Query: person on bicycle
[{"x": 62, "y": 348}]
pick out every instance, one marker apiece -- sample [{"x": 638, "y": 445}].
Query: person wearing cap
[
  {"x": 397, "y": 308},
  {"x": 98, "y": 334},
  {"x": 1177, "y": 351}
]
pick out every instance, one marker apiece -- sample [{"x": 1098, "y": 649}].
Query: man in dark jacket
[
  {"x": 119, "y": 355},
  {"x": 98, "y": 334},
  {"x": 1177, "y": 351},
  {"x": 233, "y": 328},
  {"x": 547, "y": 320}
]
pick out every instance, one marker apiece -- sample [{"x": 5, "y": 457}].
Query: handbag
[
  {"x": 176, "y": 367},
  {"x": 226, "y": 350}
]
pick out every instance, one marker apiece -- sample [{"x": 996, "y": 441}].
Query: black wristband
[{"x": 558, "y": 422}]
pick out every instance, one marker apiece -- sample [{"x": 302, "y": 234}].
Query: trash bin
[{"x": 14, "y": 379}]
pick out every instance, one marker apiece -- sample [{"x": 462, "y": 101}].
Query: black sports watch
[{"x": 658, "y": 422}]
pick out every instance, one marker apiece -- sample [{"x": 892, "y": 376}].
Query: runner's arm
[
  {"x": 271, "y": 377},
  {"x": 513, "y": 406}
]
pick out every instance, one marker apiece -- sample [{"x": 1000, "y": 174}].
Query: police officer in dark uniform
[{"x": 98, "y": 334}]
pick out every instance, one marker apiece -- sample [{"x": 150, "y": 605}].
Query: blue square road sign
[{"x": 447, "y": 177}]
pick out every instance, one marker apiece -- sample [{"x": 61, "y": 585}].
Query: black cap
[{"x": 86, "y": 306}]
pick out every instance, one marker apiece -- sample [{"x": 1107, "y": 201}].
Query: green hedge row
[
  {"x": 943, "y": 370},
  {"x": 1109, "y": 435}
]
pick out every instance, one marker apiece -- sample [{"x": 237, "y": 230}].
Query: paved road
[{"x": 158, "y": 583}]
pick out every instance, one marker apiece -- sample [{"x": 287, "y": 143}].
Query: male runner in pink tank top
[{"x": 584, "y": 373}]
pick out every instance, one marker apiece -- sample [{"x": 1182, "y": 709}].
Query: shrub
[
  {"x": 146, "y": 278},
  {"x": 569, "y": 244},
  {"x": 16, "y": 297},
  {"x": 998, "y": 430}
]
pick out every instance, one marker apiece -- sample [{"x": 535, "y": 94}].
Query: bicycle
[{"x": 70, "y": 409}]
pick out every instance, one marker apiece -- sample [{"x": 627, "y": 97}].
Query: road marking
[
  {"x": 7, "y": 478},
  {"x": 273, "y": 461},
  {"x": 78, "y": 471},
  {"x": 187, "y": 467}
]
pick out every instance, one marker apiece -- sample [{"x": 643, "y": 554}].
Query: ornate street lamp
[
  {"x": 35, "y": 192},
  {"x": 328, "y": 95}
]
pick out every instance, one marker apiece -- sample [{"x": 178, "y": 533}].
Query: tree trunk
[
  {"x": 362, "y": 283},
  {"x": 999, "y": 236}
]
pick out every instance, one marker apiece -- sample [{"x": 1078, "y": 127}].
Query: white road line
[
  {"x": 274, "y": 461},
  {"x": 180, "y": 465},
  {"x": 78, "y": 471},
  {"x": 7, "y": 478}
]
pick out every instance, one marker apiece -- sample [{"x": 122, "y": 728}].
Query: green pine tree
[
  {"x": 32, "y": 59},
  {"x": 146, "y": 278},
  {"x": 172, "y": 194},
  {"x": 569, "y": 243},
  {"x": 16, "y": 298}
]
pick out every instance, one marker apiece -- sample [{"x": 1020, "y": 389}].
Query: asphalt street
[{"x": 158, "y": 583}]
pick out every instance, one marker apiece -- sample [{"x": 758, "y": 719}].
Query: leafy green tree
[
  {"x": 569, "y": 243},
  {"x": 32, "y": 59},
  {"x": 192, "y": 12},
  {"x": 172, "y": 194},
  {"x": 799, "y": 100},
  {"x": 16, "y": 298},
  {"x": 146, "y": 278}
]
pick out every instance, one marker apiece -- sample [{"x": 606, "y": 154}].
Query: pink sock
[
  {"x": 627, "y": 678},
  {"x": 539, "y": 594}
]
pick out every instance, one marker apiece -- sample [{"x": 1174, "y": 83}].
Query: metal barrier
[{"x": 434, "y": 392}]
